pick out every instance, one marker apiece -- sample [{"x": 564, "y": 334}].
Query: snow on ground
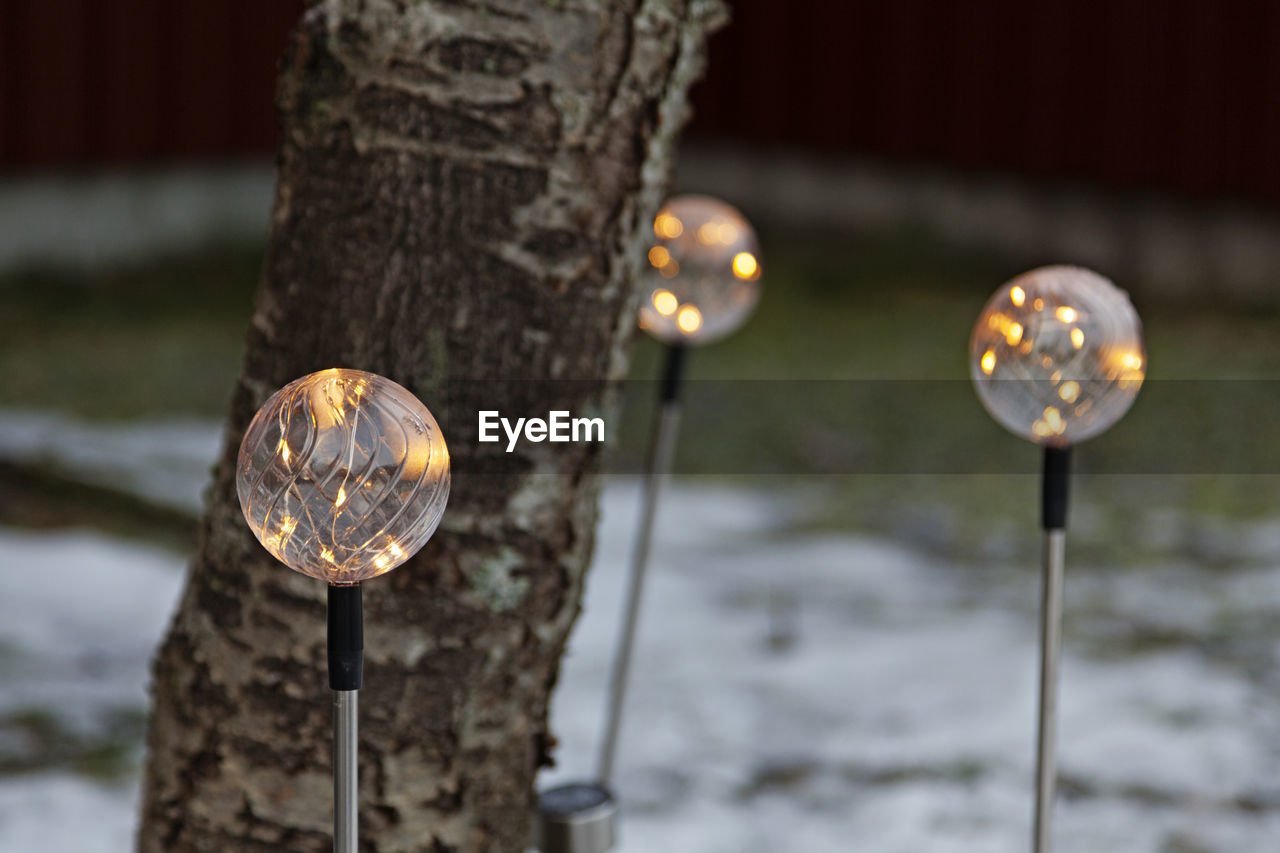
[
  {"x": 80, "y": 626},
  {"x": 85, "y": 613},
  {"x": 163, "y": 461},
  {"x": 900, "y": 718},
  {"x": 59, "y": 813},
  {"x": 812, "y": 693}
]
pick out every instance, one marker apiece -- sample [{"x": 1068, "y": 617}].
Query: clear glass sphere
[
  {"x": 343, "y": 475},
  {"x": 1057, "y": 355},
  {"x": 702, "y": 273}
]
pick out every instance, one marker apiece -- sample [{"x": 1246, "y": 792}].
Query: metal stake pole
[
  {"x": 346, "y": 710},
  {"x": 661, "y": 454},
  {"x": 1050, "y": 654},
  {"x": 1057, "y": 476},
  {"x": 346, "y": 674}
]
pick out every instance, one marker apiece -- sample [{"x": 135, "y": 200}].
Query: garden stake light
[
  {"x": 701, "y": 283},
  {"x": 1056, "y": 357},
  {"x": 343, "y": 475}
]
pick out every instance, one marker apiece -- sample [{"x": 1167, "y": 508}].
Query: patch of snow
[
  {"x": 901, "y": 717},
  {"x": 83, "y": 220},
  {"x": 82, "y": 622},
  {"x": 819, "y": 692},
  {"x": 58, "y": 813},
  {"x": 166, "y": 462}
]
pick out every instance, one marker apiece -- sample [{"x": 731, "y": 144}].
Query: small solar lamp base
[{"x": 577, "y": 818}]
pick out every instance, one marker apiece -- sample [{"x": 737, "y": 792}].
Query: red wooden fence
[
  {"x": 1182, "y": 94},
  {"x": 87, "y": 82}
]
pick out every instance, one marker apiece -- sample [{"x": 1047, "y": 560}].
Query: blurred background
[{"x": 866, "y": 669}]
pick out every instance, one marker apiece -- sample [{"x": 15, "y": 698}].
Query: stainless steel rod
[
  {"x": 661, "y": 453},
  {"x": 346, "y": 710},
  {"x": 1050, "y": 655}
]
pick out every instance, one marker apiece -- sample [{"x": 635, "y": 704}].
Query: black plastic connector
[
  {"x": 346, "y": 637},
  {"x": 672, "y": 374},
  {"x": 1057, "y": 477}
]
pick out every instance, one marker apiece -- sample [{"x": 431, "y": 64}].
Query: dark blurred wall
[
  {"x": 1175, "y": 94},
  {"x": 122, "y": 82},
  {"x": 1181, "y": 95}
]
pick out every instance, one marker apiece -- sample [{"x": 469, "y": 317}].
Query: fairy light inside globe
[
  {"x": 702, "y": 272},
  {"x": 343, "y": 475},
  {"x": 1057, "y": 355}
]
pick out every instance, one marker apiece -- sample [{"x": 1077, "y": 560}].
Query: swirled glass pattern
[{"x": 343, "y": 475}]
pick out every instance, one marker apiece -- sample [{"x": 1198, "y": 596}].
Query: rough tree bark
[{"x": 462, "y": 192}]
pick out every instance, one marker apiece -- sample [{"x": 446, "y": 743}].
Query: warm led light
[
  {"x": 667, "y": 227},
  {"x": 364, "y": 486},
  {"x": 706, "y": 258},
  {"x": 1130, "y": 373},
  {"x": 690, "y": 319},
  {"x": 665, "y": 302},
  {"x": 745, "y": 265},
  {"x": 1064, "y": 362},
  {"x": 1049, "y": 424}
]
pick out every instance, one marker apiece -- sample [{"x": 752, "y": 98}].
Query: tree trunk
[{"x": 463, "y": 190}]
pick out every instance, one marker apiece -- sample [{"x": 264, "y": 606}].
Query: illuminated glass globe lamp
[
  {"x": 1057, "y": 358},
  {"x": 343, "y": 476},
  {"x": 701, "y": 278},
  {"x": 700, "y": 281}
]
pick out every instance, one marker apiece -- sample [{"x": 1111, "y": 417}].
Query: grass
[
  {"x": 865, "y": 342},
  {"x": 855, "y": 362},
  {"x": 162, "y": 337},
  {"x": 34, "y": 740},
  {"x": 38, "y": 497}
]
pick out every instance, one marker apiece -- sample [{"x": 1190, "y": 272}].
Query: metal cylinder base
[{"x": 577, "y": 818}]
